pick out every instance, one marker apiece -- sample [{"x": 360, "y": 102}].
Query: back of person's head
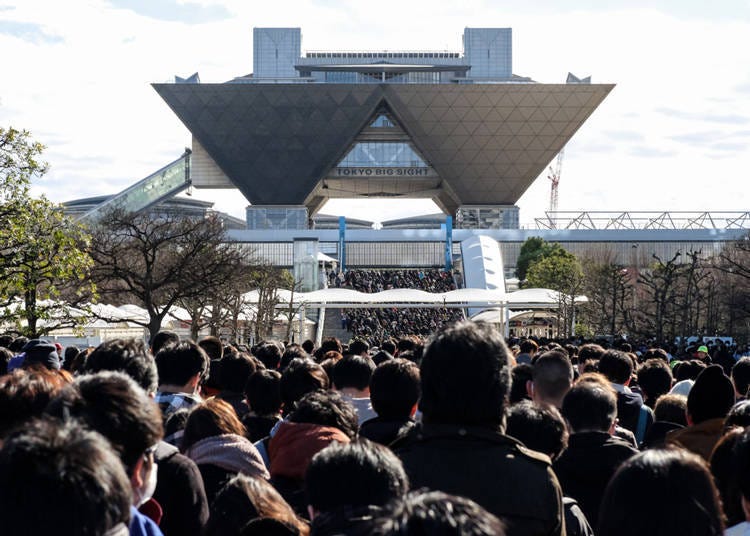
[
  {"x": 671, "y": 408},
  {"x": 244, "y": 499},
  {"x": 302, "y": 376},
  {"x": 394, "y": 389},
  {"x": 332, "y": 344},
  {"x": 353, "y": 371},
  {"x": 355, "y": 474},
  {"x": 521, "y": 374},
  {"x": 6, "y": 339},
  {"x": 661, "y": 492},
  {"x": 25, "y": 393},
  {"x": 436, "y": 513},
  {"x": 741, "y": 375},
  {"x": 688, "y": 370},
  {"x": 112, "y": 404},
  {"x": 406, "y": 344},
  {"x": 179, "y": 363},
  {"x": 269, "y": 354},
  {"x": 381, "y": 357},
  {"x": 292, "y": 352},
  {"x": 590, "y": 352},
  {"x": 59, "y": 478},
  {"x": 712, "y": 395},
  {"x": 129, "y": 356},
  {"x": 539, "y": 427},
  {"x": 18, "y": 343},
  {"x": 212, "y": 417},
  {"x": 69, "y": 357},
  {"x": 741, "y": 464},
  {"x": 358, "y": 347},
  {"x": 724, "y": 469},
  {"x": 327, "y": 408},
  {"x": 528, "y": 346},
  {"x": 590, "y": 405},
  {"x": 616, "y": 366},
  {"x": 308, "y": 346},
  {"x": 234, "y": 370},
  {"x": 389, "y": 346},
  {"x": 552, "y": 376},
  {"x": 263, "y": 392},
  {"x": 162, "y": 340},
  {"x": 655, "y": 353},
  {"x": 654, "y": 379},
  {"x": 41, "y": 353},
  {"x": 738, "y": 416},
  {"x": 212, "y": 346},
  {"x": 465, "y": 376}
]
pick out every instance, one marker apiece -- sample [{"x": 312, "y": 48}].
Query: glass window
[{"x": 382, "y": 154}]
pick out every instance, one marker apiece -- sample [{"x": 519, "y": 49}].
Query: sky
[{"x": 673, "y": 135}]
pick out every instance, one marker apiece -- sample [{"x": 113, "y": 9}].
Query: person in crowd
[
  {"x": 661, "y": 493},
  {"x": 25, "y": 393},
  {"x": 541, "y": 427},
  {"x": 181, "y": 369},
  {"x": 112, "y": 404},
  {"x": 351, "y": 377},
  {"x": 359, "y": 347},
  {"x": 235, "y": 368},
  {"x": 701, "y": 354},
  {"x": 437, "y": 513},
  {"x": 669, "y": 415},
  {"x": 394, "y": 392},
  {"x": 529, "y": 348},
  {"x": 293, "y": 351},
  {"x": 269, "y": 354},
  {"x": 632, "y": 413},
  {"x": 588, "y": 357},
  {"x": 708, "y": 403},
  {"x": 741, "y": 378},
  {"x": 215, "y": 440},
  {"x": 213, "y": 347},
  {"x": 347, "y": 484},
  {"x": 37, "y": 353},
  {"x": 738, "y": 416},
  {"x": 179, "y": 488},
  {"x": 593, "y": 454},
  {"x": 162, "y": 340},
  {"x": 723, "y": 466},
  {"x": 654, "y": 379},
  {"x": 302, "y": 376},
  {"x": 739, "y": 487},
  {"x": 263, "y": 396},
  {"x": 60, "y": 478},
  {"x": 5, "y": 357},
  {"x": 308, "y": 346},
  {"x": 244, "y": 499},
  {"x": 465, "y": 380},
  {"x": 521, "y": 375},
  {"x": 551, "y": 378},
  {"x": 319, "y": 418}
]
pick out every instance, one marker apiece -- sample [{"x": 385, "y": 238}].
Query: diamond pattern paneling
[{"x": 488, "y": 142}]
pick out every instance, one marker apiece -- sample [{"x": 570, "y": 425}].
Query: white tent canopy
[{"x": 465, "y": 297}]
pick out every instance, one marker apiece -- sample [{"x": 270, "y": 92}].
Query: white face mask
[{"x": 149, "y": 486}]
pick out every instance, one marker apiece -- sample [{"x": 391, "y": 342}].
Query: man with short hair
[
  {"x": 179, "y": 489},
  {"x": 59, "y": 478},
  {"x": 460, "y": 447},
  {"x": 632, "y": 413},
  {"x": 269, "y": 354},
  {"x": 741, "y": 377},
  {"x": 528, "y": 348},
  {"x": 263, "y": 396},
  {"x": 351, "y": 377},
  {"x": 593, "y": 454},
  {"x": 552, "y": 377},
  {"x": 181, "y": 368},
  {"x": 112, "y": 404},
  {"x": 394, "y": 393},
  {"x": 654, "y": 379},
  {"x": 234, "y": 370},
  {"x": 346, "y": 484},
  {"x": 162, "y": 340}
]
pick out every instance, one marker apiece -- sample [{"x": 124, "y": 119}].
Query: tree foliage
[
  {"x": 43, "y": 262},
  {"x": 533, "y": 250},
  {"x": 560, "y": 271}
]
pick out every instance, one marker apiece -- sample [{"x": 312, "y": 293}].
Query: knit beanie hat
[{"x": 712, "y": 395}]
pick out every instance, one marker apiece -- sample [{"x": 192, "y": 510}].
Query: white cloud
[{"x": 87, "y": 94}]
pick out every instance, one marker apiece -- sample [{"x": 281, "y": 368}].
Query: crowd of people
[
  {"x": 377, "y": 324},
  {"x": 461, "y": 433}
]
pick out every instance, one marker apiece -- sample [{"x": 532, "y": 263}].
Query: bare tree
[{"x": 158, "y": 259}]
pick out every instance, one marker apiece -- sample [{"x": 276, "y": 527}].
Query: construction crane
[{"x": 554, "y": 177}]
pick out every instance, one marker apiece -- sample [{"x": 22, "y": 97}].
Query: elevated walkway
[{"x": 160, "y": 185}]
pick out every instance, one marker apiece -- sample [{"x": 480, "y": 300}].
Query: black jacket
[
  {"x": 499, "y": 473},
  {"x": 629, "y": 409},
  {"x": 179, "y": 491},
  {"x": 586, "y": 466},
  {"x": 385, "y": 431}
]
